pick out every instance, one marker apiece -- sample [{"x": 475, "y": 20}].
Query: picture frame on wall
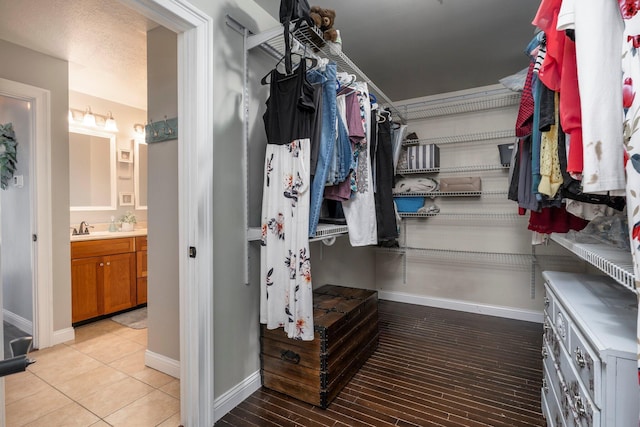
[
  {"x": 125, "y": 155},
  {"x": 126, "y": 199}
]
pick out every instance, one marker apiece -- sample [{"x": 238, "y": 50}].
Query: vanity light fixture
[
  {"x": 110, "y": 123},
  {"x": 139, "y": 129},
  {"x": 88, "y": 119}
]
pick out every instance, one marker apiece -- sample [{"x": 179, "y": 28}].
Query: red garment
[
  {"x": 547, "y": 19},
  {"x": 570, "y": 115},
  {"x": 555, "y": 220},
  {"x": 524, "y": 122}
]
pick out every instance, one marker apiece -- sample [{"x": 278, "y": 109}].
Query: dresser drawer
[
  {"x": 550, "y": 404},
  {"x": 582, "y": 408},
  {"x": 559, "y": 318},
  {"x": 586, "y": 365}
]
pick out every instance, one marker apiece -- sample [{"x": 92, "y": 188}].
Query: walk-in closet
[
  {"x": 378, "y": 213},
  {"x": 474, "y": 255}
]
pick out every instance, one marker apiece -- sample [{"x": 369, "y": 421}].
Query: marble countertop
[{"x": 96, "y": 235}]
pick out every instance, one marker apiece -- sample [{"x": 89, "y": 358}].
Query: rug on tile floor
[{"x": 136, "y": 319}]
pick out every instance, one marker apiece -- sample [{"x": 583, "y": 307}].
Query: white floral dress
[{"x": 286, "y": 293}]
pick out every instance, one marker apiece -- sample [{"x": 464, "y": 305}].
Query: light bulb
[{"x": 89, "y": 119}]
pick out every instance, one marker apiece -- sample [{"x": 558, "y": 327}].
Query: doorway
[{"x": 17, "y": 225}]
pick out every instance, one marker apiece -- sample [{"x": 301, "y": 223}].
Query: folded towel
[{"x": 415, "y": 185}]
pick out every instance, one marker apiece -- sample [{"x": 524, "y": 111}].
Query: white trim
[
  {"x": 113, "y": 175},
  {"x": 162, "y": 363},
  {"x": 195, "y": 109},
  {"x": 232, "y": 398},
  {"x": 42, "y": 211},
  {"x": 62, "y": 335},
  {"x": 19, "y": 322},
  {"x": 469, "y": 307}
]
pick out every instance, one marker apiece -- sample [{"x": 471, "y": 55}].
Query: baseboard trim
[
  {"x": 63, "y": 335},
  {"x": 18, "y": 321},
  {"x": 232, "y": 398},
  {"x": 162, "y": 363},
  {"x": 490, "y": 310}
]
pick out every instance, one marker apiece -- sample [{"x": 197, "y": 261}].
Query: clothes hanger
[{"x": 314, "y": 63}]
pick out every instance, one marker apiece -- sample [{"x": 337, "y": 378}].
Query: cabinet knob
[
  {"x": 102, "y": 264},
  {"x": 108, "y": 263},
  {"x": 545, "y": 387},
  {"x": 544, "y": 352},
  {"x": 546, "y": 302}
]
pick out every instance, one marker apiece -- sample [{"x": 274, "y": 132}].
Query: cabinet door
[
  {"x": 142, "y": 290},
  {"x": 141, "y": 263},
  {"x": 119, "y": 282},
  {"x": 86, "y": 292}
]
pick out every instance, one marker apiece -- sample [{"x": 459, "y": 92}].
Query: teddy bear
[{"x": 324, "y": 19}]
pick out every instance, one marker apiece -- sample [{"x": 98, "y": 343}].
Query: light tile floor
[{"x": 99, "y": 379}]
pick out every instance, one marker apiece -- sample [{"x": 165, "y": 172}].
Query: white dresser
[{"x": 589, "y": 352}]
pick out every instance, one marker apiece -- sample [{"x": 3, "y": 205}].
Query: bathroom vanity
[{"x": 108, "y": 273}]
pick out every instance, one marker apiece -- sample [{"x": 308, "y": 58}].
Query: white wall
[
  {"x": 43, "y": 71},
  {"x": 17, "y": 275}
]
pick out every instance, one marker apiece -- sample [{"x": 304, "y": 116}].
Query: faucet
[{"x": 84, "y": 228}]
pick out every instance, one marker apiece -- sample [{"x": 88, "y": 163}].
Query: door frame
[
  {"x": 41, "y": 211},
  {"x": 195, "y": 188}
]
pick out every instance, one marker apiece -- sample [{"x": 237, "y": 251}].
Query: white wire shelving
[
  {"x": 467, "y": 216},
  {"x": 434, "y": 194},
  {"x": 458, "y": 139},
  {"x": 614, "y": 262},
  {"x": 313, "y": 45},
  {"x": 485, "y": 100},
  {"x": 453, "y": 169}
]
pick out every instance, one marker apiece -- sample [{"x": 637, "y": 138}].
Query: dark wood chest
[{"x": 346, "y": 334}]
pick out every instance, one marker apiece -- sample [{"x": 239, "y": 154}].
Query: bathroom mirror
[
  {"x": 140, "y": 173},
  {"x": 92, "y": 170}
]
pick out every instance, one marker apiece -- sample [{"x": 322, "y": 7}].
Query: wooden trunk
[{"x": 346, "y": 334}]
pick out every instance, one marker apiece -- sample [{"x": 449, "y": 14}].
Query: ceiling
[{"x": 409, "y": 48}]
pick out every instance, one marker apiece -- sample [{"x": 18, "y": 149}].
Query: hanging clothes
[
  {"x": 385, "y": 208},
  {"x": 598, "y": 31},
  {"x": 286, "y": 295},
  {"x": 359, "y": 211},
  {"x": 327, "y": 79}
]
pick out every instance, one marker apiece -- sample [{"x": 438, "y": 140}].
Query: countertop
[{"x": 96, "y": 235}]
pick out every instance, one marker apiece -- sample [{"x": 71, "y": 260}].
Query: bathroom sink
[{"x": 109, "y": 234}]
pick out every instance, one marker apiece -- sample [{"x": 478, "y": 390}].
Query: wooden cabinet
[
  {"x": 103, "y": 277},
  {"x": 141, "y": 269}
]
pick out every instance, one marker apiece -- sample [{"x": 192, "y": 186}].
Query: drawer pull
[
  {"x": 580, "y": 358},
  {"x": 545, "y": 353},
  {"x": 580, "y": 406},
  {"x": 290, "y": 356}
]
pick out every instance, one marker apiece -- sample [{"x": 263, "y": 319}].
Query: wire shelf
[
  {"x": 434, "y": 194},
  {"x": 486, "y": 100},
  {"x": 465, "y": 256},
  {"x": 455, "y": 139},
  {"x": 452, "y": 169},
  {"x": 502, "y": 216},
  {"x": 272, "y": 41},
  {"x": 614, "y": 262}
]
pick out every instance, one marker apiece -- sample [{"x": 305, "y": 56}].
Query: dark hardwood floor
[{"x": 433, "y": 367}]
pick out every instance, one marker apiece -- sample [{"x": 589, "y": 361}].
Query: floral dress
[
  {"x": 631, "y": 105},
  {"x": 286, "y": 294}
]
